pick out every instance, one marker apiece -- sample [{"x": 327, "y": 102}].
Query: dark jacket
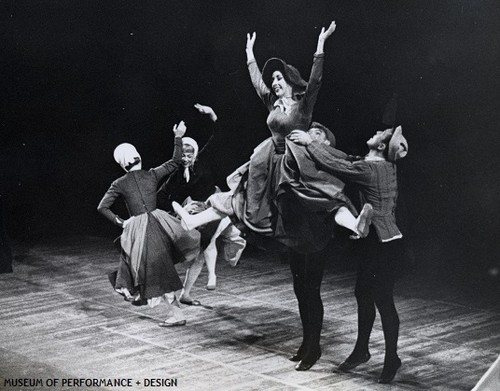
[
  {"x": 138, "y": 188},
  {"x": 377, "y": 182}
]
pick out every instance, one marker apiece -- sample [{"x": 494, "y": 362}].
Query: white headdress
[{"x": 126, "y": 156}]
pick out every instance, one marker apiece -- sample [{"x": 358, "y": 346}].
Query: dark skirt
[
  {"x": 151, "y": 245},
  {"x": 284, "y": 197}
]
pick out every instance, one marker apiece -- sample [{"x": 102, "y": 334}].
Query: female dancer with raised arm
[
  {"x": 152, "y": 240},
  {"x": 279, "y": 194},
  {"x": 264, "y": 189}
]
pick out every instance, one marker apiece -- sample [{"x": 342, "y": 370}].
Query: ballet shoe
[
  {"x": 306, "y": 363},
  {"x": 183, "y": 215},
  {"x": 189, "y": 301},
  {"x": 212, "y": 283},
  {"x": 167, "y": 323},
  {"x": 364, "y": 220},
  {"x": 389, "y": 371},
  {"x": 298, "y": 356},
  {"x": 351, "y": 363}
]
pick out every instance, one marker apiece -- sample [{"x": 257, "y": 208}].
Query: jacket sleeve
[
  {"x": 260, "y": 87},
  {"x": 107, "y": 201},
  {"x": 173, "y": 164},
  {"x": 213, "y": 126},
  {"x": 328, "y": 159},
  {"x": 314, "y": 83}
]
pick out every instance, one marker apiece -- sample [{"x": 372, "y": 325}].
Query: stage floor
[{"x": 61, "y": 320}]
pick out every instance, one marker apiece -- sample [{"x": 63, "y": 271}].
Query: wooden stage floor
[{"x": 61, "y": 320}]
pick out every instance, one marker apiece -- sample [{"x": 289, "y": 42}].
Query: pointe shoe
[
  {"x": 349, "y": 363},
  {"x": 183, "y": 215},
  {"x": 364, "y": 220},
  {"x": 389, "y": 371},
  {"x": 305, "y": 364}
]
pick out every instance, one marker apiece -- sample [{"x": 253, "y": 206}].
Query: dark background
[{"x": 80, "y": 77}]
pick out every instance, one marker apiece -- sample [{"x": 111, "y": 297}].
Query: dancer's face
[
  {"x": 279, "y": 85},
  {"x": 187, "y": 155},
  {"x": 318, "y": 135},
  {"x": 379, "y": 139}
]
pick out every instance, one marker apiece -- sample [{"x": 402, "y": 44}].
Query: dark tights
[
  {"x": 307, "y": 271},
  {"x": 374, "y": 289}
]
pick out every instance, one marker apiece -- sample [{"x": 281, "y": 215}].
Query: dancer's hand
[
  {"x": 195, "y": 207},
  {"x": 300, "y": 137},
  {"x": 126, "y": 222},
  {"x": 323, "y": 36},
  {"x": 180, "y": 129},
  {"x": 249, "y": 47},
  {"x": 206, "y": 110}
]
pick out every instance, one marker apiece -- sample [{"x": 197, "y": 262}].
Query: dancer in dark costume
[
  {"x": 152, "y": 240},
  {"x": 191, "y": 185},
  {"x": 376, "y": 178}
]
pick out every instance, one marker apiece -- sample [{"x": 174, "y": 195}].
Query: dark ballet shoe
[
  {"x": 190, "y": 301},
  {"x": 353, "y": 362},
  {"x": 299, "y": 355},
  {"x": 306, "y": 363},
  {"x": 389, "y": 371},
  {"x": 138, "y": 302}
]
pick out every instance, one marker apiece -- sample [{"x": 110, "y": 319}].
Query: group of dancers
[{"x": 289, "y": 196}]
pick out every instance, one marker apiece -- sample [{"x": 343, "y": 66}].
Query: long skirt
[
  {"x": 152, "y": 243},
  {"x": 284, "y": 197}
]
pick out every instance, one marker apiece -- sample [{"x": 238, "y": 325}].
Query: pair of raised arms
[{"x": 323, "y": 36}]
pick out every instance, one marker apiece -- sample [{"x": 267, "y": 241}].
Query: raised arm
[
  {"x": 172, "y": 165},
  {"x": 323, "y": 36},
  {"x": 317, "y": 68},
  {"x": 207, "y": 110},
  {"x": 255, "y": 74}
]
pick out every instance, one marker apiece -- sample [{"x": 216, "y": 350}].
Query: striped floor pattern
[{"x": 60, "y": 320}]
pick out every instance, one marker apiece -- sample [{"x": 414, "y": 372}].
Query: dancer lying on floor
[{"x": 152, "y": 241}]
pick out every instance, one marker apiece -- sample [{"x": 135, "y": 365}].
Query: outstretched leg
[{"x": 190, "y": 222}]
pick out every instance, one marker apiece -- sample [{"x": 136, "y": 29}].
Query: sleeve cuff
[{"x": 314, "y": 145}]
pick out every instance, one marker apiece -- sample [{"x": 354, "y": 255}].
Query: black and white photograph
[{"x": 250, "y": 195}]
